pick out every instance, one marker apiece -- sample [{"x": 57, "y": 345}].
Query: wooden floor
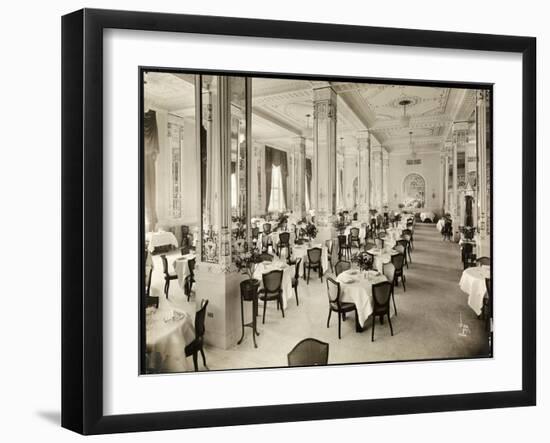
[{"x": 426, "y": 326}]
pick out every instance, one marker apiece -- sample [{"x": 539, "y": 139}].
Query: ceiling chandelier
[
  {"x": 405, "y": 119},
  {"x": 411, "y": 145}
]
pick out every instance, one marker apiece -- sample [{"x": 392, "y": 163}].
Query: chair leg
[
  {"x": 321, "y": 273},
  {"x": 373, "y": 325},
  {"x": 393, "y": 298},
  {"x": 389, "y": 321},
  {"x": 308, "y": 274},
  {"x": 281, "y": 303},
  {"x": 339, "y": 326},
  {"x": 195, "y": 362},
  {"x": 242, "y": 322},
  {"x": 403, "y": 282},
  {"x": 328, "y": 319},
  {"x": 263, "y": 319},
  {"x": 296, "y": 294},
  {"x": 204, "y": 357}
]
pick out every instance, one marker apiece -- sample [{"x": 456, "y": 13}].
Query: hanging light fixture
[
  {"x": 411, "y": 145},
  {"x": 405, "y": 119}
]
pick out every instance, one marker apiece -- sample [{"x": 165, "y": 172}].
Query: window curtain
[
  {"x": 309, "y": 175},
  {"x": 151, "y": 147},
  {"x": 275, "y": 157}
]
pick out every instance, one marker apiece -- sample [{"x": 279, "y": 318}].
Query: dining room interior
[{"x": 294, "y": 221}]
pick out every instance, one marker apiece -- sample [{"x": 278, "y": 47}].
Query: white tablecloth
[
  {"x": 472, "y": 283},
  {"x": 427, "y": 214},
  {"x": 166, "y": 341},
  {"x": 286, "y": 284},
  {"x": 161, "y": 238},
  {"x": 440, "y": 224},
  {"x": 300, "y": 251},
  {"x": 274, "y": 236},
  {"x": 381, "y": 257},
  {"x": 359, "y": 292},
  {"x": 181, "y": 266},
  {"x": 392, "y": 235}
]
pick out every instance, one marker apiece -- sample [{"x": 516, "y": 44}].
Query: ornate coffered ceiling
[{"x": 283, "y": 109}]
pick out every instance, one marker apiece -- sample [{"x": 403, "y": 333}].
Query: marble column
[
  {"x": 385, "y": 175},
  {"x": 481, "y": 142},
  {"x": 448, "y": 151},
  {"x": 454, "y": 207},
  {"x": 324, "y": 160},
  {"x": 443, "y": 175},
  {"x": 299, "y": 176},
  {"x": 364, "y": 179}
]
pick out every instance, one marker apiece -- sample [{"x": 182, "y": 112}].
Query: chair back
[
  {"x": 272, "y": 280},
  {"x": 191, "y": 265},
  {"x": 267, "y": 228},
  {"x": 314, "y": 255},
  {"x": 164, "y": 264},
  {"x": 309, "y": 352},
  {"x": 264, "y": 256},
  {"x": 388, "y": 270},
  {"x": 354, "y": 233},
  {"x": 333, "y": 291},
  {"x": 148, "y": 278},
  {"x": 255, "y": 232},
  {"x": 200, "y": 317},
  {"x": 403, "y": 243},
  {"x": 489, "y": 287},
  {"x": 484, "y": 261},
  {"x": 284, "y": 238},
  {"x": 342, "y": 241},
  {"x": 397, "y": 260},
  {"x": 328, "y": 244},
  {"x": 381, "y": 295},
  {"x": 342, "y": 266}
]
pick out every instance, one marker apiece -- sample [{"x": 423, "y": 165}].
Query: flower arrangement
[
  {"x": 413, "y": 203},
  {"x": 468, "y": 232},
  {"x": 282, "y": 220},
  {"x": 363, "y": 260},
  {"x": 246, "y": 263},
  {"x": 311, "y": 230}
]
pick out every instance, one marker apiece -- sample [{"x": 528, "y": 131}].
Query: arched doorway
[{"x": 414, "y": 190}]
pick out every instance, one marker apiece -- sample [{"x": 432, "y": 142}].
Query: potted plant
[
  {"x": 311, "y": 230},
  {"x": 363, "y": 260},
  {"x": 246, "y": 264}
]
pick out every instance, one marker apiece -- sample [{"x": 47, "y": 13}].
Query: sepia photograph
[{"x": 309, "y": 221}]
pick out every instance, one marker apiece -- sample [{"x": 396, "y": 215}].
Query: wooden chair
[
  {"x": 314, "y": 262},
  {"x": 488, "y": 306},
  {"x": 407, "y": 234},
  {"x": 389, "y": 272},
  {"x": 196, "y": 345},
  {"x": 335, "y": 305},
  {"x": 344, "y": 249},
  {"x": 397, "y": 260},
  {"x": 150, "y": 300},
  {"x": 406, "y": 249},
  {"x": 354, "y": 238},
  {"x": 272, "y": 290},
  {"x": 381, "y": 293},
  {"x": 483, "y": 261},
  {"x": 329, "y": 245},
  {"x": 296, "y": 279},
  {"x": 190, "y": 279},
  {"x": 468, "y": 256},
  {"x": 308, "y": 352},
  {"x": 447, "y": 230},
  {"x": 185, "y": 242},
  {"x": 284, "y": 242},
  {"x": 342, "y": 266},
  {"x": 167, "y": 276}
]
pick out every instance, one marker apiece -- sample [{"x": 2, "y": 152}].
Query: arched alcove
[{"x": 414, "y": 188}]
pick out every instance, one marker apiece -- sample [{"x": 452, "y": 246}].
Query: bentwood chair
[
  {"x": 190, "y": 279},
  {"x": 272, "y": 290},
  {"x": 308, "y": 352},
  {"x": 483, "y": 261},
  {"x": 185, "y": 241},
  {"x": 255, "y": 233},
  {"x": 380, "y": 239},
  {"x": 151, "y": 300},
  {"x": 314, "y": 262},
  {"x": 381, "y": 293},
  {"x": 196, "y": 345},
  {"x": 488, "y": 305},
  {"x": 342, "y": 266},
  {"x": 406, "y": 249},
  {"x": 344, "y": 249},
  {"x": 296, "y": 279},
  {"x": 397, "y": 260},
  {"x": 329, "y": 245},
  {"x": 354, "y": 237},
  {"x": 167, "y": 276},
  {"x": 264, "y": 256},
  {"x": 388, "y": 270},
  {"x": 335, "y": 305},
  {"x": 267, "y": 228},
  {"x": 284, "y": 242},
  {"x": 447, "y": 230},
  {"x": 407, "y": 234}
]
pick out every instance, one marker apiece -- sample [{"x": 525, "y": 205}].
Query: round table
[
  {"x": 356, "y": 287},
  {"x": 381, "y": 257},
  {"x": 472, "y": 283},
  {"x": 181, "y": 266}
]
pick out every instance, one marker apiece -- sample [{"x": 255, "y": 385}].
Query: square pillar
[{"x": 364, "y": 175}]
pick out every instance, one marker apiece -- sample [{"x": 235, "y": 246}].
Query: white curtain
[
  {"x": 306, "y": 187},
  {"x": 277, "y": 199}
]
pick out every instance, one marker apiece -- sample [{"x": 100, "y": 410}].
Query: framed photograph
[{"x": 270, "y": 221}]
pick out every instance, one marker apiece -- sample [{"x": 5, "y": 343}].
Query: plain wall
[{"x": 30, "y": 185}]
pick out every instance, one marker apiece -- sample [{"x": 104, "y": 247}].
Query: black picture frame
[{"x": 82, "y": 219}]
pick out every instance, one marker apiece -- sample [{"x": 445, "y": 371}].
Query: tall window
[
  {"x": 277, "y": 200},
  {"x": 306, "y": 187},
  {"x": 233, "y": 191}
]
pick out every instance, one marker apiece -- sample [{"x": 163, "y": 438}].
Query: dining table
[
  {"x": 472, "y": 282},
  {"x": 288, "y": 274},
  {"x": 356, "y": 288},
  {"x": 167, "y": 333},
  {"x": 382, "y": 256},
  {"x": 160, "y": 238},
  {"x": 181, "y": 266}
]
